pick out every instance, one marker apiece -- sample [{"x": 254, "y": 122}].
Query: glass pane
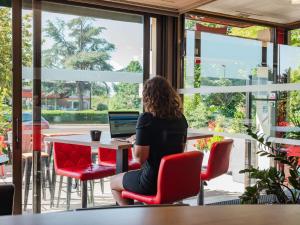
[
  {"x": 5, "y": 95},
  {"x": 216, "y": 55},
  {"x": 27, "y": 109},
  {"x": 89, "y": 66},
  {"x": 222, "y": 57}
]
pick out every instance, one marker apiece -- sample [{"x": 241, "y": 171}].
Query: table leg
[
  {"x": 122, "y": 161},
  {"x": 84, "y": 194},
  {"x": 53, "y": 180},
  {"x": 201, "y": 194}
]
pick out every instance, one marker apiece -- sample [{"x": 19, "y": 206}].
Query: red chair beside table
[
  {"x": 75, "y": 161},
  {"x": 218, "y": 164},
  {"x": 108, "y": 157},
  {"x": 178, "y": 178}
]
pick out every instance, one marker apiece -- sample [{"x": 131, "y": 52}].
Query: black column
[{"x": 17, "y": 103}]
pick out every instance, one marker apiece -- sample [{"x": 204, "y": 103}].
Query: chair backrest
[
  {"x": 71, "y": 156},
  {"x": 7, "y": 192},
  {"x": 219, "y": 157},
  {"x": 178, "y": 176},
  {"x": 1, "y": 143},
  {"x": 110, "y": 155}
]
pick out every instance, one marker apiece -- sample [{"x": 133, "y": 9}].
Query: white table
[{"x": 107, "y": 142}]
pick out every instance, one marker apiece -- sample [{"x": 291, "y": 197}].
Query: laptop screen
[{"x": 122, "y": 124}]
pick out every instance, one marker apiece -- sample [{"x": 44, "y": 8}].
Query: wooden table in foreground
[{"x": 180, "y": 215}]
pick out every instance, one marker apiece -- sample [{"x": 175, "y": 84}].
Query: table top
[
  {"x": 179, "y": 215},
  {"x": 106, "y": 141},
  {"x": 195, "y": 136}
]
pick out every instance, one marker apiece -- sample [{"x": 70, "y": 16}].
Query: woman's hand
[{"x": 131, "y": 139}]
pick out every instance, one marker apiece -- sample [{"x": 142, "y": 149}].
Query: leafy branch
[{"x": 273, "y": 181}]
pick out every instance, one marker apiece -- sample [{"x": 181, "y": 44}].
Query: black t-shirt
[{"x": 165, "y": 137}]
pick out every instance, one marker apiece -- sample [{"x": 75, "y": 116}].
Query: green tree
[
  {"x": 295, "y": 38},
  {"x": 223, "y": 103},
  {"x": 6, "y": 61},
  {"x": 294, "y": 96},
  {"x": 247, "y": 32},
  {"x": 78, "y": 45},
  {"x": 6, "y": 49},
  {"x": 6, "y": 53},
  {"x": 127, "y": 95}
]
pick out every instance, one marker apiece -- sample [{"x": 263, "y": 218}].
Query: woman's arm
[{"x": 141, "y": 153}]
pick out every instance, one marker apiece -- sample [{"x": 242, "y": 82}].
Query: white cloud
[{"x": 116, "y": 65}]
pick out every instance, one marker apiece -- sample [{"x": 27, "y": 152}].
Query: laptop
[{"x": 122, "y": 124}]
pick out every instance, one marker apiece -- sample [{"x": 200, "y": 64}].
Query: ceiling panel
[
  {"x": 277, "y": 11},
  {"x": 173, "y": 5}
]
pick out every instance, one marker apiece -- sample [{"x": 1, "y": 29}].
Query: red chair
[
  {"x": 178, "y": 178},
  {"x": 108, "y": 157},
  {"x": 2, "y": 145},
  {"x": 75, "y": 161},
  {"x": 218, "y": 163}
]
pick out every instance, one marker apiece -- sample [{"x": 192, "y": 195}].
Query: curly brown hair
[{"x": 161, "y": 99}]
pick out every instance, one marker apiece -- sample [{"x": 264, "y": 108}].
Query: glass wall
[
  {"x": 230, "y": 81},
  {"x": 5, "y": 94},
  {"x": 91, "y": 63}
]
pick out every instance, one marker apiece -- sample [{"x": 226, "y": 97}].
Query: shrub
[
  {"x": 86, "y": 116},
  {"x": 102, "y": 107}
]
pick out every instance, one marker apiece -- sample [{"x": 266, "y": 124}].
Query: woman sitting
[{"x": 160, "y": 131}]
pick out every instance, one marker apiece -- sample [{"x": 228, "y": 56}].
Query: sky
[
  {"x": 126, "y": 36},
  {"x": 236, "y": 57}
]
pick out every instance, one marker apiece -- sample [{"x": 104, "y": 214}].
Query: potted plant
[{"x": 275, "y": 181}]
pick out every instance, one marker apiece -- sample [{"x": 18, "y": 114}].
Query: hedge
[{"x": 87, "y": 116}]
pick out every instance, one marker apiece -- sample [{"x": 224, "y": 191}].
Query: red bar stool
[
  {"x": 75, "y": 161},
  {"x": 178, "y": 178},
  {"x": 27, "y": 159},
  {"x": 2, "y": 145},
  {"x": 107, "y": 157},
  {"x": 218, "y": 163}
]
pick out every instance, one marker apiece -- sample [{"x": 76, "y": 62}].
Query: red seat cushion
[
  {"x": 87, "y": 173},
  {"x": 132, "y": 165},
  {"x": 148, "y": 199},
  {"x": 204, "y": 176}
]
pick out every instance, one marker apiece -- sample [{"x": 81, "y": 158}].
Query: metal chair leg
[
  {"x": 77, "y": 185},
  {"x": 69, "y": 187},
  {"x": 23, "y": 168},
  {"x": 59, "y": 190},
  {"x": 92, "y": 192},
  {"x": 84, "y": 194},
  {"x": 48, "y": 177},
  {"x": 102, "y": 185},
  {"x": 53, "y": 184},
  {"x": 43, "y": 178},
  {"x": 28, "y": 167},
  {"x": 201, "y": 194},
  {"x": 53, "y": 179}
]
